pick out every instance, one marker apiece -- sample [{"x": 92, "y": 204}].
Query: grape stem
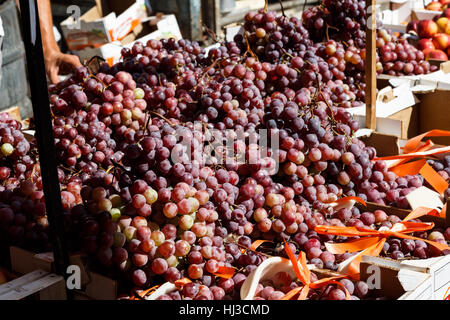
[{"x": 162, "y": 117}]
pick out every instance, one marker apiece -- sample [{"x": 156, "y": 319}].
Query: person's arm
[{"x": 55, "y": 61}]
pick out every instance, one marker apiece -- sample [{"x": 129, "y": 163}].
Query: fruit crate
[
  {"x": 38, "y": 284},
  {"x": 94, "y": 286},
  {"x": 427, "y": 279},
  {"x": 402, "y": 213}
]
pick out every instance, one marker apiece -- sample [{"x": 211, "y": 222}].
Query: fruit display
[
  {"x": 345, "y": 22},
  {"x": 440, "y": 5},
  {"x": 434, "y": 36},
  {"x": 174, "y": 161}
]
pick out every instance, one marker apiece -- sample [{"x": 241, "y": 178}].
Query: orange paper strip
[
  {"x": 434, "y": 178},
  {"x": 182, "y": 282},
  {"x": 346, "y": 199},
  {"x": 413, "y": 143},
  {"x": 410, "y": 168},
  {"x": 300, "y": 275},
  {"x": 225, "y": 272},
  {"x": 351, "y": 246},
  {"x": 373, "y": 244},
  {"x": 420, "y": 212},
  {"x": 425, "y": 147},
  {"x": 257, "y": 243},
  {"x": 304, "y": 275},
  {"x": 413, "y": 155}
]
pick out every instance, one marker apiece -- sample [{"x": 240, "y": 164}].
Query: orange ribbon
[
  {"x": 412, "y": 150},
  {"x": 434, "y": 179},
  {"x": 373, "y": 240},
  {"x": 419, "y": 154},
  {"x": 413, "y": 143},
  {"x": 346, "y": 199},
  {"x": 225, "y": 272},
  {"x": 255, "y": 245},
  {"x": 141, "y": 295},
  {"x": 425, "y": 147},
  {"x": 179, "y": 284},
  {"x": 304, "y": 275},
  {"x": 428, "y": 173}
]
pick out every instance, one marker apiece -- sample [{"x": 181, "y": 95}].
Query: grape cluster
[
  {"x": 147, "y": 195},
  {"x": 281, "y": 283},
  {"x": 344, "y": 22}
]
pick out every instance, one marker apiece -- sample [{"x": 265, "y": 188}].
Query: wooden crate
[
  {"x": 94, "y": 286},
  {"x": 427, "y": 279},
  {"x": 14, "y": 112},
  {"x": 39, "y": 284},
  {"x": 402, "y": 213}
]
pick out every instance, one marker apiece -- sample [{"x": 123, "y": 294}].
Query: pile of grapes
[
  {"x": 345, "y": 22},
  {"x": 174, "y": 161}
]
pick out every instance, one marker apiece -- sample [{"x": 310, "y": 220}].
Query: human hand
[{"x": 57, "y": 63}]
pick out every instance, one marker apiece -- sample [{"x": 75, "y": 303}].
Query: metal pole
[
  {"x": 44, "y": 131},
  {"x": 371, "y": 60}
]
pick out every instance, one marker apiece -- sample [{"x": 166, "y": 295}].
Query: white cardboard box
[
  {"x": 402, "y": 98},
  {"x": 92, "y": 30},
  {"x": 111, "y": 52},
  {"x": 427, "y": 279}
]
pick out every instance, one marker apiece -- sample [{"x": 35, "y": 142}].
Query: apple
[
  {"x": 437, "y": 55},
  {"x": 434, "y": 6},
  {"x": 442, "y": 23},
  {"x": 448, "y": 52},
  {"x": 412, "y": 26},
  {"x": 427, "y": 28},
  {"x": 424, "y": 44},
  {"x": 441, "y": 41},
  {"x": 444, "y": 2}
]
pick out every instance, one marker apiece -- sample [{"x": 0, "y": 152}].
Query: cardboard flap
[
  {"x": 390, "y": 101},
  {"x": 445, "y": 67},
  {"x": 424, "y": 197},
  {"x": 410, "y": 279},
  {"x": 385, "y": 95},
  {"x": 436, "y": 80}
]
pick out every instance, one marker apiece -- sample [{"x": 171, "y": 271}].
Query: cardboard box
[
  {"x": 400, "y": 281},
  {"x": 433, "y": 92},
  {"x": 164, "y": 28},
  {"x": 402, "y": 213},
  {"x": 397, "y": 16},
  {"x": 396, "y": 112},
  {"x": 94, "y": 285},
  {"x": 95, "y": 29},
  {"x": 402, "y": 12},
  {"x": 385, "y": 144},
  {"x": 427, "y": 279}
]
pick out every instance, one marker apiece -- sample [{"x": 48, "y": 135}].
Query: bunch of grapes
[
  {"x": 146, "y": 193},
  {"x": 281, "y": 283}
]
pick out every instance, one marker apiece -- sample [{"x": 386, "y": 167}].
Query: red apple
[
  {"x": 444, "y": 2},
  {"x": 412, "y": 26},
  {"x": 427, "y": 28},
  {"x": 424, "y": 44},
  {"x": 441, "y": 41},
  {"x": 437, "y": 55}
]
